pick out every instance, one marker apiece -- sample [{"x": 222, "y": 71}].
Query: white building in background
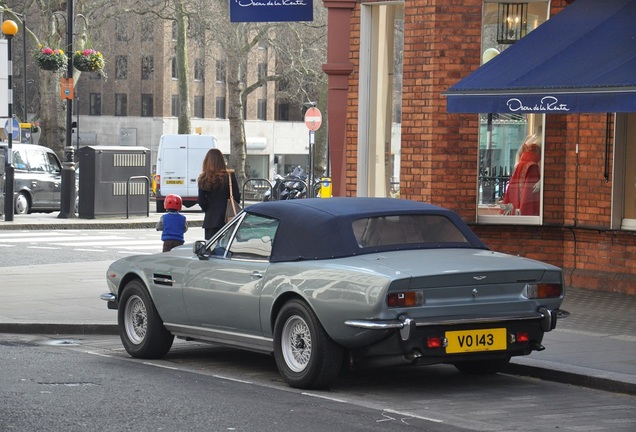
[{"x": 272, "y": 146}]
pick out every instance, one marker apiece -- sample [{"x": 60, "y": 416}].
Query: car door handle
[{"x": 256, "y": 275}]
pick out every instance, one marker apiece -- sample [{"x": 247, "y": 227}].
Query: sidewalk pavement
[{"x": 594, "y": 347}]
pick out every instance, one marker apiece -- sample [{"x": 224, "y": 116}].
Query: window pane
[
  {"x": 629, "y": 197},
  {"x": 95, "y": 104},
  {"x": 147, "y": 30},
  {"x": 262, "y": 109},
  {"x": 37, "y": 162},
  {"x": 174, "y": 106},
  {"x": 254, "y": 238},
  {"x": 199, "y": 69},
  {"x": 146, "y": 105},
  {"x": 406, "y": 229},
  {"x": 121, "y": 104},
  {"x": 510, "y": 145},
  {"x": 220, "y": 107},
  {"x": 220, "y": 71},
  {"x": 121, "y": 67},
  {"x": 198, "y": 106},
  {"x": 147, "y": 67}
]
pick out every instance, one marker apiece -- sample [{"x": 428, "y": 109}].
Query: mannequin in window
[{"x": 523, "y": 192}]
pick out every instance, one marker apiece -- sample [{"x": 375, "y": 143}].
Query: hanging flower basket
[
  {"x": 50, "y": 59},
  {"x": 88, "y": 60}
]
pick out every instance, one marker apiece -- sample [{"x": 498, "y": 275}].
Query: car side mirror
[{"x": 199, "y": 249}]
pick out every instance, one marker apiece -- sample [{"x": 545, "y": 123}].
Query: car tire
[
  {"x": 140, "y": 327},
  {"x": 305, "y": 355},
  {"x": 22, "y": 204},
  {"x": 160, "y": 206},
  {"x": 482, "y": 367}
]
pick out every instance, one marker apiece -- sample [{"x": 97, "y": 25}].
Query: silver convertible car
[{"x": 323, "y": 283}]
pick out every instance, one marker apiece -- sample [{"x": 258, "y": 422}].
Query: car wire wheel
[
  {"x": 140, "y": 327},
  {"x": 305, "y": 355},
  {"x": 136, "y": 320},
  {"x": 296, "y": 343}
]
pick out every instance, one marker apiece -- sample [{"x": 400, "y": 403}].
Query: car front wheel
[
  {"x": 22, "y": 204},
  {"x": 140, "y": 327},
  {"x": 305, "y": 355}
]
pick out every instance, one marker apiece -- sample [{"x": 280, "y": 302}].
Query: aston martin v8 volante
[{"x": 323, "y": 283}]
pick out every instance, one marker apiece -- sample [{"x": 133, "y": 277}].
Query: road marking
[{"x": 325, "y": 397}]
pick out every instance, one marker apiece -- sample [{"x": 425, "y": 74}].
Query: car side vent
[{"x": 161, "y": 279}]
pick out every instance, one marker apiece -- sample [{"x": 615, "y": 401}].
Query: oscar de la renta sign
[{"x": 271, "y": 10}]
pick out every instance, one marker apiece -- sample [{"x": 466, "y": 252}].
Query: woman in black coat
[{"x": 214, "y": 191}]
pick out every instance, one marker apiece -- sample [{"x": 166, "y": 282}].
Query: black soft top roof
[{"x": 318, "y": 228}]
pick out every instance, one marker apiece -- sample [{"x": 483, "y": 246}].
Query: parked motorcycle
[{"x": 292, "y": 186}]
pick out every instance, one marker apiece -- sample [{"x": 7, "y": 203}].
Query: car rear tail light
[
  {"x": 405, "y": 299},
  {"x": 520, "y": 337},
  {"x": 543, "y": 290},
  {"x": 436, "y": 342},
  {"x": 158, "y": 179}
]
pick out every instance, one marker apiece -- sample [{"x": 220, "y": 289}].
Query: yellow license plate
[
  {"x": 175, "y": 181},
  {"x": 476, "y": 340}
]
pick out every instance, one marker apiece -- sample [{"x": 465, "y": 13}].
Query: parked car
[
  {"x": 325, "y": 282},
  {"x": 37, "y": 178}
]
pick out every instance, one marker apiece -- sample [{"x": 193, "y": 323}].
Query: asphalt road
[
  {"x": 53, "y": 387},
  {"x": 90, "y": 383}
]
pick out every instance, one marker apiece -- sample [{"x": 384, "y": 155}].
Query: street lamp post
[
  {"x": 67, "y": 201},
  {"x": 9, "y": 29}
]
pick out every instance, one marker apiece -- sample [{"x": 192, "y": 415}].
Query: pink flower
[
  {"x": 47, "y": 51},
  {"x": 88, "y": 51}
]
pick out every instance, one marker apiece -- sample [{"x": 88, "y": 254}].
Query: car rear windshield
[{"x": 406, "y": 229}]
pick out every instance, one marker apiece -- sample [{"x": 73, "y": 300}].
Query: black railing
[{"x": 493, "y": 182}]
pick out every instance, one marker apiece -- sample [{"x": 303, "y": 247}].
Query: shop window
[
  {"x": 511, "y": 150},
  {"x": 624, "y": 194}
]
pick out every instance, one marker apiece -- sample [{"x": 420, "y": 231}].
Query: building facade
[
  {"x": 583, "y": 214},
  {"x": 138, "y": 99}
]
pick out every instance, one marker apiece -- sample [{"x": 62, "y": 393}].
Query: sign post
[
  {"x": 13, "y": 128},
  {"x": 313, "y": 120}
]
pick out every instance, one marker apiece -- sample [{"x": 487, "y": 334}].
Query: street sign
[
  {"x": 15, "y": 129},
  {"x": 313, "y": 118}
]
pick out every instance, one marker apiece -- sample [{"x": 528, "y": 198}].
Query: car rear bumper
[
  {"x": 518, "y": 334},
  {"x": 547, "y": 318}
]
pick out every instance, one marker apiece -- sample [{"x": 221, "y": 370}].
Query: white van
[{"x": 179, "y": 163}]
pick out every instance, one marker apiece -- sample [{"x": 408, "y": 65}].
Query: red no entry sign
[{"x": 313, "y": 119}]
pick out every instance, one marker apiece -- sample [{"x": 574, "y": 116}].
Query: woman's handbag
[{"x": 231, "y": 208}]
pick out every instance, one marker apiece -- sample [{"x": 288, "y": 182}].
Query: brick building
[{"x": 585, "y": 217}]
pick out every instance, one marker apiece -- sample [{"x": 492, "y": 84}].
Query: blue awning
[{"x": 581, "y": 60}]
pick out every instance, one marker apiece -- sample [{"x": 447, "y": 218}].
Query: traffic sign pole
[{"x": 313, "y": 120}]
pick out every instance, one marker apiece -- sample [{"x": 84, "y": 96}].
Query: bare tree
[{"x": 297, "y": 49}]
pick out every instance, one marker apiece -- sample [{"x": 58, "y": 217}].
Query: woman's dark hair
[{"x": 214, "y": 170}]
